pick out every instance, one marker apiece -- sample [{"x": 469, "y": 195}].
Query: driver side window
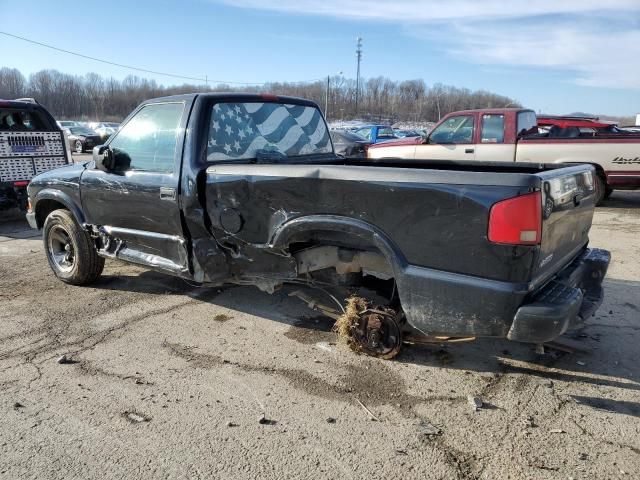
[
  {"x": 148, "y": 140},
  {"x": 454, "y": 130}
]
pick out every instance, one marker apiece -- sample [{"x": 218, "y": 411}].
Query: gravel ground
[{"x": 170, "y": 381}]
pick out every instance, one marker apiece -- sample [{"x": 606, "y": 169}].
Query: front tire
[
  {"x": 69, "y": 249},
  {"x": 601, "y": 189},
  {"x": 78, "y": 147}
]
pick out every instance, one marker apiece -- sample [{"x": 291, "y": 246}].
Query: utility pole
[
  {"x": 326, "y": 101},
  {"x": 359, "y": 57}
]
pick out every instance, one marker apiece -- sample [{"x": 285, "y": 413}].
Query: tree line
[{"x": 93, "y": 97}]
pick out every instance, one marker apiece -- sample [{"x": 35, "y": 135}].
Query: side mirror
[
  {"x": 103, "y": 158},
  {"x": 109, "y": 160}
]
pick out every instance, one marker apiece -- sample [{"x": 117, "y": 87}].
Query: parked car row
[
  {"x": 377, "y": 133},
  {"x": 83, "y": 136}
]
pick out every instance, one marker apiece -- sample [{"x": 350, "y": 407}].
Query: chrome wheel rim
[
  {"x": 61, "y": 249},
  {"x": 78, "y": 146}
]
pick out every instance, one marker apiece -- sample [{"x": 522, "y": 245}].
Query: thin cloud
[
  {"x": 591, "y": 55},
  {"x": 416, "y": 11},
  {"x": 596, "y": 42}
]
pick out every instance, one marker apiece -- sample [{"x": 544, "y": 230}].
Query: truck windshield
[{"x": 242, "y": 131}]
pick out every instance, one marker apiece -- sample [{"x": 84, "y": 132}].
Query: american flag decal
[{"x": 238, "y": 130}]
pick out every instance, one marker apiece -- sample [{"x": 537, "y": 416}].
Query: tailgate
[
  {"x": 24, "y": 154},
  {"x": 568, "y": 203}
]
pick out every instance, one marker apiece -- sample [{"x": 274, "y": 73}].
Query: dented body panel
[{"x": 276, "y": 219}]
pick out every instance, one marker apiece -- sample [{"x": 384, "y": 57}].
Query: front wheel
[
  {"x": 70, "y": 250},
  {"x": 78, "y": 146},
  {"x": 601, "y": 189}
]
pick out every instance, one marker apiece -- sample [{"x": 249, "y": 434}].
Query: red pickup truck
[{"x": 512, "y": 135}]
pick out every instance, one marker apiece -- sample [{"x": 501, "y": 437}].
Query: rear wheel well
[
  {"x": 344, "y": 261},
  {"x": 44, "y": 208}
]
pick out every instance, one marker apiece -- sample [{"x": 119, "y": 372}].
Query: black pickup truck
[{"x": 246, "y": 189}]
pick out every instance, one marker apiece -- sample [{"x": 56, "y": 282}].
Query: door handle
[
  {"x": 468, "y": 150},
  {"x": 167, "y": 193}
]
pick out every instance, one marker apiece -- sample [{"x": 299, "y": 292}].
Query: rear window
[
  {"x": 240, "y": 131},
  {"x": 527, "y": 122},
  {"x": 492, "y": 129},
  {"x": 15, "y": 120}
]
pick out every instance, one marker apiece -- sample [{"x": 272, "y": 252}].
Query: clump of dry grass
[{"x": 348, "y": 321}]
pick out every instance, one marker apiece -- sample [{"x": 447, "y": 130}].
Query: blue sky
[{"x": 555, "y": 56}]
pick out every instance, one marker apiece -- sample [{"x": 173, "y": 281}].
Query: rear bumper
[{"x": 565, "y": 302}]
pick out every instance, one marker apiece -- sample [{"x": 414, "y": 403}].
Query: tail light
[
  {"x": 21, "y": 183},
  {"x": 517, "y": 221}
]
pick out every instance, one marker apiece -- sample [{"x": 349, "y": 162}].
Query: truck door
[
  {"x": 493, "y": 146},
  {"x": 137, "y": 210},
  {"x": 451, "y": 140}
]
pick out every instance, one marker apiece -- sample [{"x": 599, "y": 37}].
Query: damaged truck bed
[{"x": 246, "y": 189}]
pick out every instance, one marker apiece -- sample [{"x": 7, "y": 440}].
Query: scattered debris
[
  {"x": 18, "y": 405},
  {"x": 557, "y": 430},
  {"x": 331, "y": 420},
  {"x": 475, "y": 402},
  {"x": 231, "y": 424},
  {"x": 64, "y": 360},
  {"x": 401, "y": 452},
  {"x": 136, "y": 417},
  {"x": 529, "y": 422},
  {"x": 323, "y": 346},
  {"x": 429, "y": 429},
  {"x": 263, "y": 420},
  {"x": 373, "y": 417},
  {"x": 583, "y": 456}
]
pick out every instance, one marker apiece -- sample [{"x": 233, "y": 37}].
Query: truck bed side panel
[{"x": 428, "y": 214}]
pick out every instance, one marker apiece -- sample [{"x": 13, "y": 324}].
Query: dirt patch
[
  {"x": 371, "y": 381},
  {"x": 310, "y": 330},
  {"x": 222, "y": 317}
]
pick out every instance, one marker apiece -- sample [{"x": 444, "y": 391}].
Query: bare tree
[{"x": 93, "y": 97}]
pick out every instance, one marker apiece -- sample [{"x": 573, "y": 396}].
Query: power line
[{"x": 138, "y": 69}]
